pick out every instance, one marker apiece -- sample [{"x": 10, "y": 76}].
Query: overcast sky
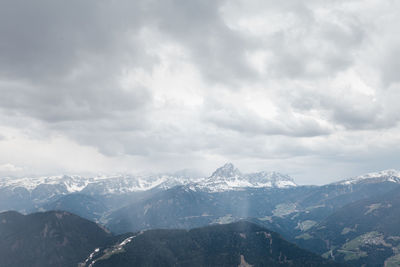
[{"x": 308, "y": 88}]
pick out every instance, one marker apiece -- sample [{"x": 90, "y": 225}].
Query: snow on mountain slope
[
  {"x": 228, "y": 178},
  {"x": 99, "y": 184},
  {"x": 373, "y": 177},
  {"x": 224, "y": 178},
  {"x": 71, "y": 183}
]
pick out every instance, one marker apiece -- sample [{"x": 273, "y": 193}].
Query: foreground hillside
[
  {"x": 59, "y": 238},
  {"x": 53, "y": 238},
  {"x": 236, "y": 244}
]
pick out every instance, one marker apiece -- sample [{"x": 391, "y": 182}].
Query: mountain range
[
  {"x": 352, "y": 221},
  {"x": 226, "y": 177}
]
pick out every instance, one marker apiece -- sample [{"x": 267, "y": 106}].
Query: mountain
[
  {"x": 33, "y": 193},
  {"x": 374, "y": 177},
  {"x": 187, "y": 207},
  {"x": 55, "y": 238},
  {"x": 45, "y": 193},
  {"x": 237, "y": 244},
  {"x": 292, "y": 218},
  {"x": 99, "y": 185},
  {"x": 86, "y": 206},
  {"x": 272, "y": 200},
  {"x": 290, "y": 210},
  {"x": 365, "y": 232},
  {"x": 228, "y": 178},
  {"x": 127, "y": 203}
]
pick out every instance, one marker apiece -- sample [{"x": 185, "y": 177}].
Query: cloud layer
[{"x": 309, "y": 88}]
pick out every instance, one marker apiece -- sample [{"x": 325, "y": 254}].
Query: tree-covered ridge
[{"x": 237, "y": 244}]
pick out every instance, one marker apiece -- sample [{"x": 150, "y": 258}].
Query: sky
[{"x": 306, "y": 88}]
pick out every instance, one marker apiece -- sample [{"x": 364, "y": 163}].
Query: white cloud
[{"x": 9, "y": 168}]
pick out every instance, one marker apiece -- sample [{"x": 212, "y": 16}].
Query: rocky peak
[{"x": 228, "y": 170}]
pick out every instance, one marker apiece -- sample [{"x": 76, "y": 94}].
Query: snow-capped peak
[
  {"x": 385, "y": 173},
  {"x": 228, "y": 170},
  {"x": 390, "y": 175},
  {"x": 228, "y": 178}
]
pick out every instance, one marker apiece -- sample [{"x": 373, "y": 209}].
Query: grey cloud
[
  {"x": 218, "y": 51},
  {"x": 70, "y": 103},
  {"x": 49, "y": 39},
  {"x": 243, "y": 120},
  {"x": 318, "y": 50},
  {"x": 305, "y": 43},
  {"x": 61, "y": 61},
  {"x": 46, "y": 39},
  {"x": 390, "y": 65},
  {"x": 262, "y": 148},
  {"x": 353, "y": 111},
  {"x": 61, "y": 65}
]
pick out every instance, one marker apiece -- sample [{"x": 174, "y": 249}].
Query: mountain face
[
  {"x": 237, "y": 244},
  {"x": 86, "y": 206},
  {"x": 228, "y": 178},
  {"x": 54, "y": 238},
  {"x": 363, "y": 233},
  {"x": 228, "y": 170}
]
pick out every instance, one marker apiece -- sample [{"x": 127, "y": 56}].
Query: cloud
[
  {"x": 243, "y": 120},
  {"x": 164, "y": 85},
  {"x": 300, "y": 39},
  {"x": 9, "y": 168}
]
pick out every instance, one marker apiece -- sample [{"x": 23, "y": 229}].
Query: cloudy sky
[{"x": 308, "y": 88}]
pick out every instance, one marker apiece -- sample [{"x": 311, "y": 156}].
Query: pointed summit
[
  {"x": 228, "y": 178},
  {"x": 228, "y": 170}
]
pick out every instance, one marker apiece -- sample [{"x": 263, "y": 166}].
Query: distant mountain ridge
[
  {"x": 226, "y": 177},
  {"x": 390, "y": 175}
]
